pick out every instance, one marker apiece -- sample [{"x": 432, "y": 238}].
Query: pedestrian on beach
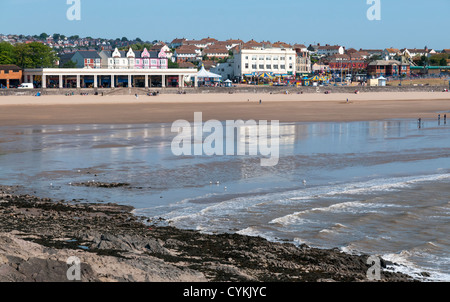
[
  {"x": 445, "y": 118},
  {"x": 260, "y": 101},
  {"x": 420, "y": 123},
  {"x": 136, "y": 95}
]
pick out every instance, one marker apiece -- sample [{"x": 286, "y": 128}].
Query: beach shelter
[{"x": 228, "y": 83}]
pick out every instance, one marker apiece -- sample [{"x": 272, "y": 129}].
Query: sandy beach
[{"x": 166, "y": 108}]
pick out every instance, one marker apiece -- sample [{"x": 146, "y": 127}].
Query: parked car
[{"x": 26, "y": 86}]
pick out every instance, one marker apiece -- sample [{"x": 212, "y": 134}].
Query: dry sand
[{"x": 27, "y": 110}]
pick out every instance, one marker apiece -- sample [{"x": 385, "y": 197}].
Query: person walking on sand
[
  {"x": 445, "y": 119},
  {"x": 260, "y": 101}
]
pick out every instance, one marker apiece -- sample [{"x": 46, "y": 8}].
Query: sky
[{"x": 403, "y": 23}]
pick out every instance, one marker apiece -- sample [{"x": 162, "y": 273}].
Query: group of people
[{"x": 439, "y": 120}]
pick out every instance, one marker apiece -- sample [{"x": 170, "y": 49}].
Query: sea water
[{"x": 379, "y": 188}]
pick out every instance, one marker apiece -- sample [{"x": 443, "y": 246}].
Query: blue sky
[{"x": 404, "y": 23}]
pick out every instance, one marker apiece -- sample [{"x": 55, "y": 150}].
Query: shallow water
[{"x": 381, "y": 188}]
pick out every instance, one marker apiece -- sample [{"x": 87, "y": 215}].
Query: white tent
[{"x": 203, "y": 73}]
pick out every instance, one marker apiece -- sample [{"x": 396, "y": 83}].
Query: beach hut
[
  {"x": 381, "y": 81},
  {"x": 228, "y": 83}
]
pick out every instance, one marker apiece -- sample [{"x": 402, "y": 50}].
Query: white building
[
  {"x": 252, "y": 61},
  {"x": 226, "y": 70},
  {"x": 329, "y": 50}
]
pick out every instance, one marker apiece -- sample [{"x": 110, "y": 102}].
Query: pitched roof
[
  {"x": 215, "y": 49},
  {"x": 186, "y": 65},
  {"x": 187, "y": 49},
  {"x": 10, "y": 67},
  {"x": 281, "y": 45},
  {"x": 329, "y": 47},
  {"x": 88, "y": 54},
  {"x": 384, "y": 62},
  {"x": 178, "y": 41}
]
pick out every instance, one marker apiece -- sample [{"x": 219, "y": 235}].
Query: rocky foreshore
[{"x": 38, "y": 235}]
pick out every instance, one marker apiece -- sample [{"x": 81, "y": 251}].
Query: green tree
[
  {"x": 7, "y": 53},
  {"x": 35, "y": 55},
  {"x": 43, "y": 36},
  {"x": 173, "y": 64},
  {"x": 70, "y": 64},
  {"x": 56, "y": 37}
]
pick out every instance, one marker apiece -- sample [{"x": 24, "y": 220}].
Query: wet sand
[{"x": 59, "y": 110}]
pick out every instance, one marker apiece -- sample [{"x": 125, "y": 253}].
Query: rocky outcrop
[{"x": 37, "y": 236}]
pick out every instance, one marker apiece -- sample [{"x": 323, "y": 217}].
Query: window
[
  {"x": 261, "y": 66},
  {"x": 290, "y": 58},
  {"x": 246, "y": 65},
  {"x": 282, "y": 58},
  {"x": 253, "y": 58},
  {"x": 246, "y": 57},
  {"x": 275, "y": 58},
  {"x": 275, "y": 66},
  {"x": 261, "y": 58},
  {"x": 283, "y": 66},
  {"x": 268, "y": 67},
  {"x": 254, "y": 66},
  {"x": 268, "y": 58},
  {"x": 290, "y": 66}
]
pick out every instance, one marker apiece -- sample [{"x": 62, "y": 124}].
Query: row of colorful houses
[{"x": 118, "y": 59}]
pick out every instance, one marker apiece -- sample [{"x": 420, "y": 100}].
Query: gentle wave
[{"x": 357, "y": 188}]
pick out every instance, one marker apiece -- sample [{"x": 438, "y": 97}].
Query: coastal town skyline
[{"x": 329, "y": 22}]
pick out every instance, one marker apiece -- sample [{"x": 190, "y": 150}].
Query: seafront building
[
  {"x": 250, "y": 61},
  {"x": 110, "y": 78}
]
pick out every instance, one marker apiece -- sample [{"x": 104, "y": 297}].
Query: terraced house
[{"x": 134, "y": 59}]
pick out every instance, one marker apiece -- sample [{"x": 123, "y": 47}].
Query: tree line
[{"x": 31, "y": 55}]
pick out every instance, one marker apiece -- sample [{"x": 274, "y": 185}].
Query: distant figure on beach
[
  {"x": 260, "y": 101},
  {"x": 136, "y": 95},
  {"x": 439, "y": 119},
  {"x": 347, "y": 101},
  {"x": 445, "y": 119},
  {"x": 420, "y": 123}
]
